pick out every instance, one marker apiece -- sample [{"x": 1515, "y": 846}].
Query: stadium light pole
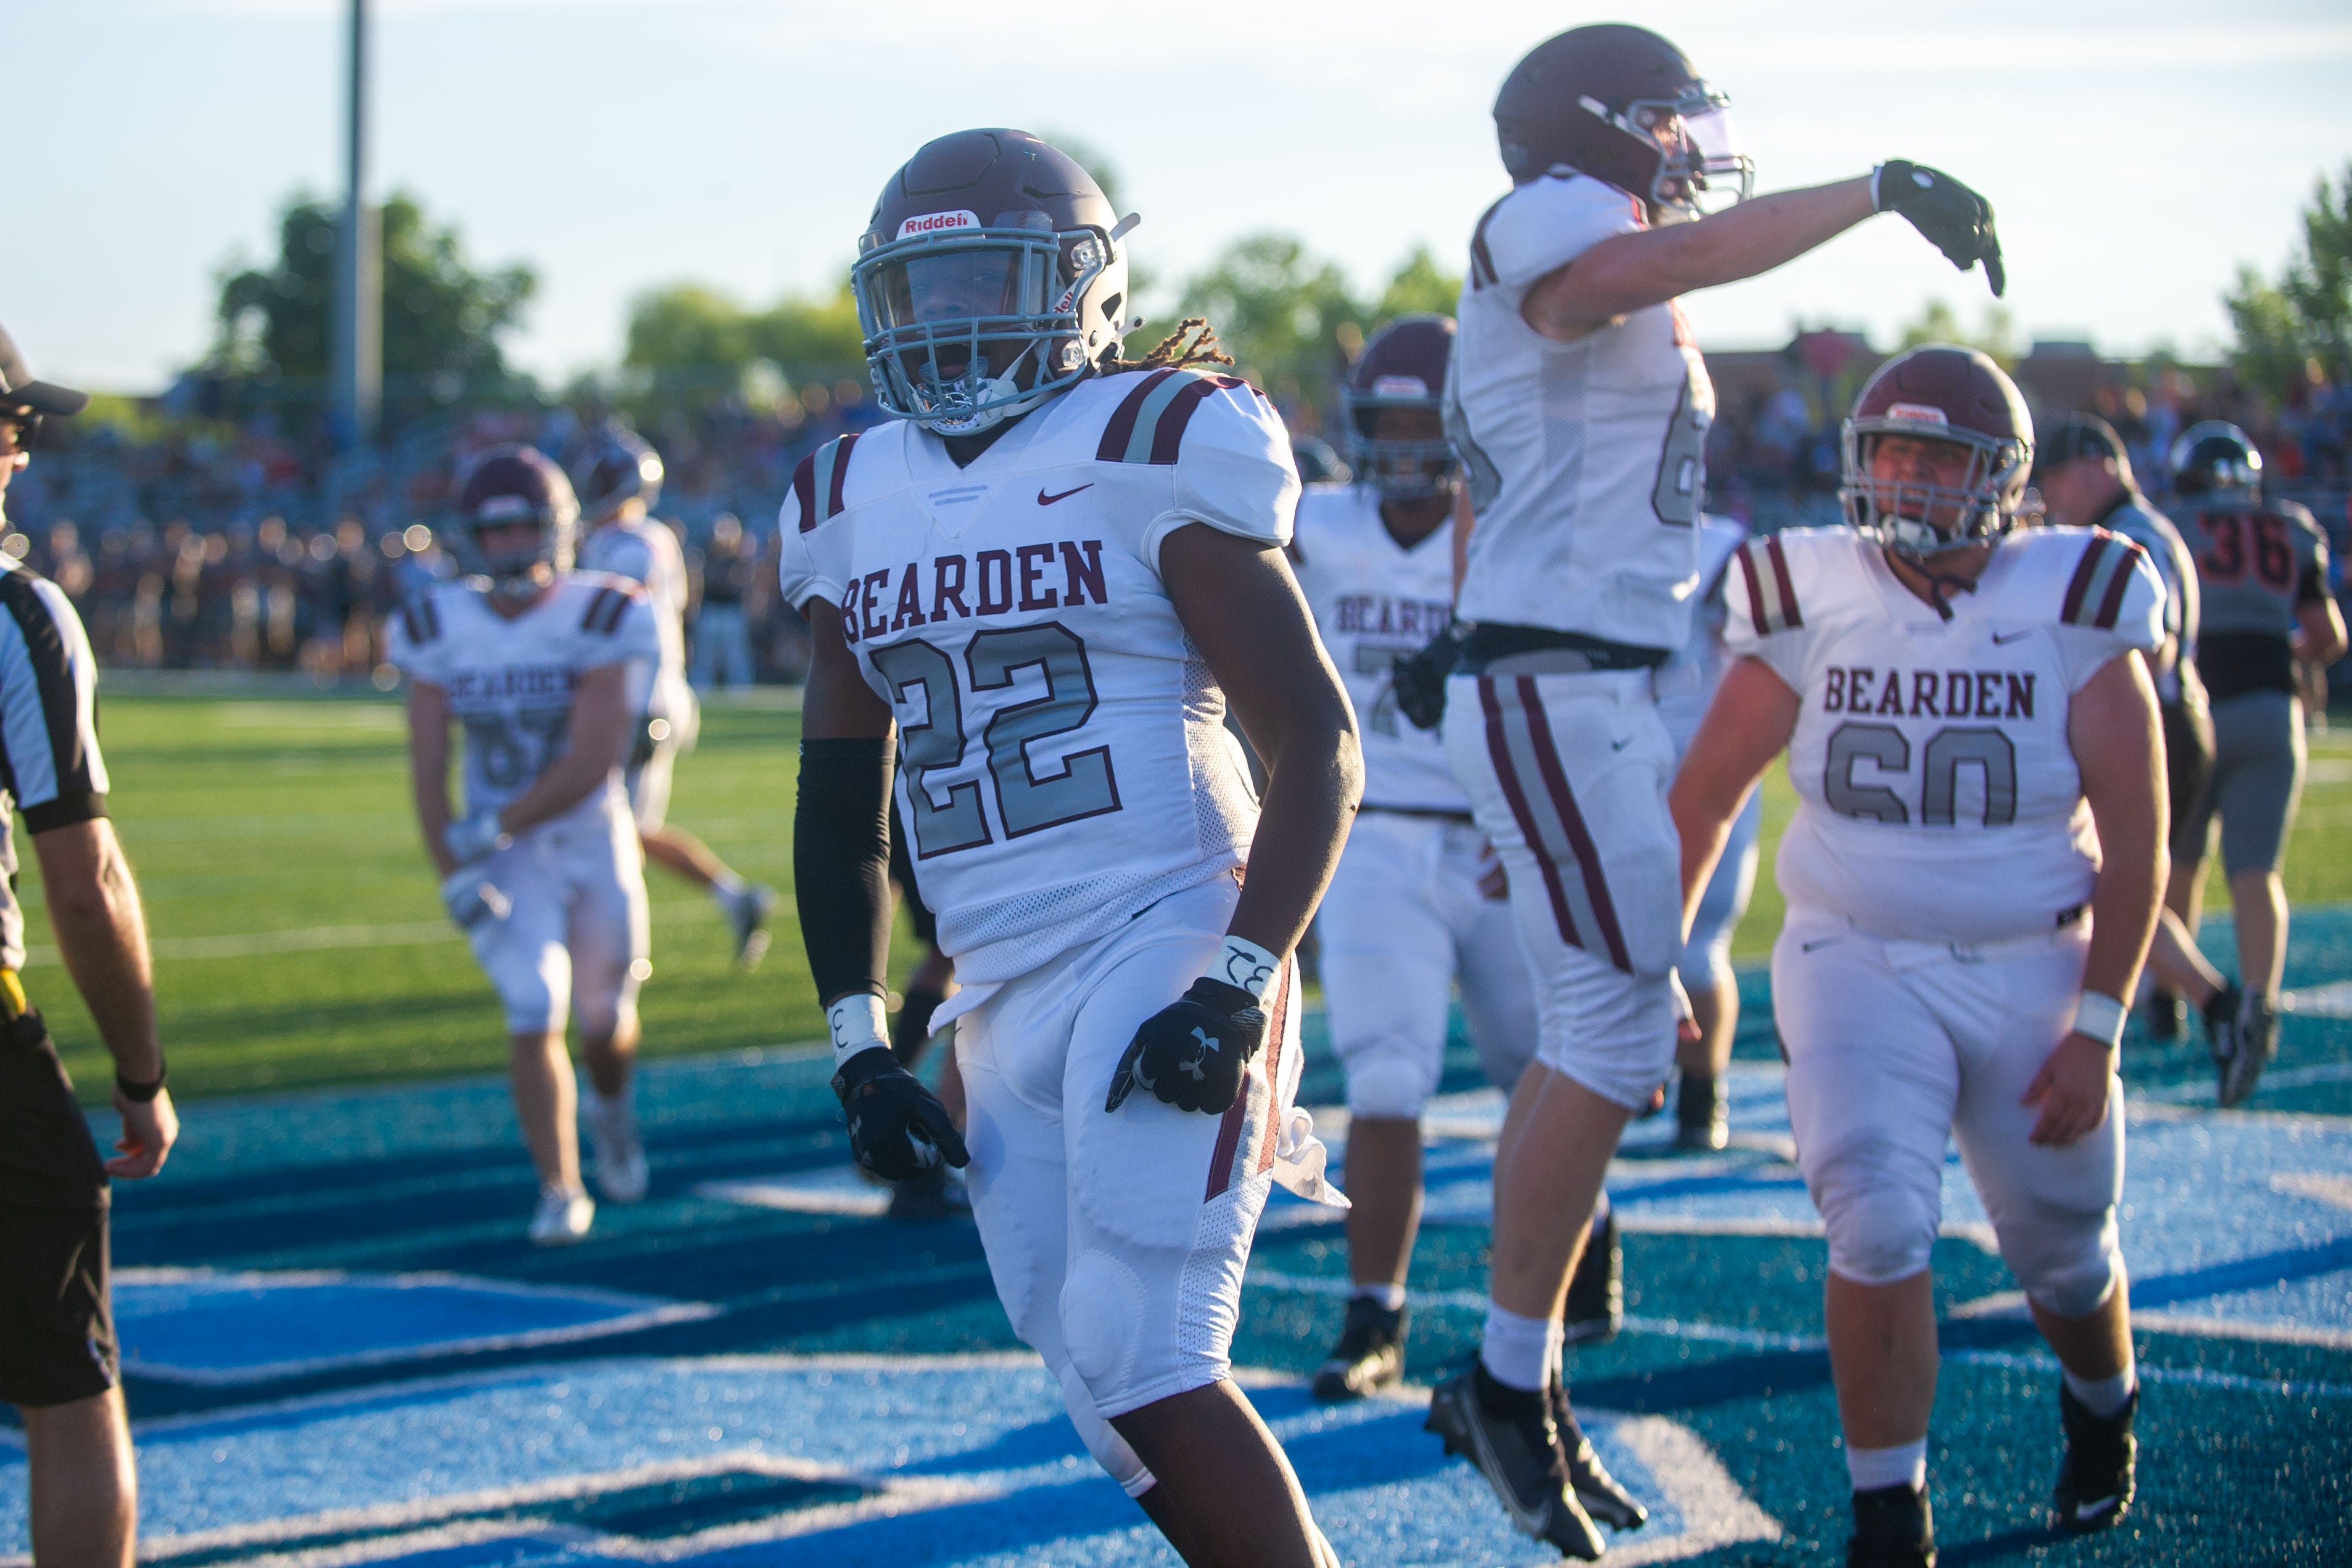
[{"x": 358, "y": 372}]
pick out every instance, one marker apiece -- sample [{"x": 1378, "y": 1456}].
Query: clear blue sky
[{"x": 2137, "y": 151}]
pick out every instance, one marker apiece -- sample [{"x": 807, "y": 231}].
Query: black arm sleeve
[{"x": 841, "y": 864}]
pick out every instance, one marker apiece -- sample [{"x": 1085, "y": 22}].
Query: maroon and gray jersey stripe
[
  {"x": 1149, "y": 424},
  {"x": 819, "y": 478},
  {"x": 421, "y": 618},
  {"x": 1527, "y": 763},
  {"x": 2095, "y": 596},
  {"x": 1482, "y": 259},
  {"x": 605, "y": 610},
  {"x": 1771, "y": 593},
  {"x": 1250, "y": 1131}
]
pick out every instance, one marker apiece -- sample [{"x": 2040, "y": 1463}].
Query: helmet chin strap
[{"x": 1942, "y": 585}]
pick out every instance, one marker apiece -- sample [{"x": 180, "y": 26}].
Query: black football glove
[
  {"x": 1955, "y": 220},
  {"x": 898, "y": 1129},
  {"x": 1417, "y": 680},
  {"x": 1194, "y": 1055}
]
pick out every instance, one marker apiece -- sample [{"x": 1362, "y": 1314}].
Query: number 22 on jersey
[{"x": 934, "y": 737}]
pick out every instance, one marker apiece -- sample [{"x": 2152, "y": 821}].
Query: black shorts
[
  {"x": 56, "y": 1327},
  {"x": 2187, "y": 768}
]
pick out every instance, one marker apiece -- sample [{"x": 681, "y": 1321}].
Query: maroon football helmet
[
  {"x": 507, "y": 485},
  {"x": 1954, "y": 396},
  {"x": 1621, "y": 104},
  {"x": 991, "y": 277},
  {"x": 619, "y": 466},
  {"x": 1403, "y": 366}
]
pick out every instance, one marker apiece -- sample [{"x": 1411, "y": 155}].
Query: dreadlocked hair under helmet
[{"x": 1174, "y": 352}]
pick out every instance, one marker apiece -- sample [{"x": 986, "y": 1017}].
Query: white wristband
[
  {"x": 1244, "y": 963},
  {"x": 857, "y": 1025},
  {"x": 2100, "y": 1017}
]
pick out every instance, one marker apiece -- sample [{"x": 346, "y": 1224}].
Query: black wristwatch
[{"x": 142, "y": 1093}]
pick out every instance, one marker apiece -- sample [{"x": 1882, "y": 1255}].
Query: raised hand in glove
[
  {"x": 898, "y": 1129},
  {"x": 1193, "y": 1054},
  {"x": 1955, "y": 220},
  {"x": 1418, "y": 679}
]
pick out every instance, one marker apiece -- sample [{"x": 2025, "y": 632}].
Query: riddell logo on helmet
[
  {"x": 936, "y": 223},
  {"x": 1925, "y": 413},
  {"x": 1399, "y": 386}
]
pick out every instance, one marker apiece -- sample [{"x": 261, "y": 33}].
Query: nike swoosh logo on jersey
[
  {"x": 1823, "y": 941},
  {"x": 1045, "y": 500},
  {"x": 1621, "y": 746},
  {"x": 2011, "y": 637}
]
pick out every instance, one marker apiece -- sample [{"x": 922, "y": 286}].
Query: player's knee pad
[
  {"x": 1880, "y": 1230},
  {"x": 2067, "y": 1264},
  {"x": 1102, "y": 1440},
  {"x": 1102, "y": 1310},
  {"x": 1390, "y": 1079}
]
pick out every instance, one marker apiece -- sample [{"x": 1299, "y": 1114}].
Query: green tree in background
[
  {"x": 443, "y": 317},
  {"x": 688, "y": 344},
  {"x": 2306, "y": 315},
  {"x": 1939, "y": 324}
]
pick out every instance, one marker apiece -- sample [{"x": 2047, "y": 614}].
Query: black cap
[
  {"x": 2079, "y": 435},
  {"x": 20, "y": 393}
]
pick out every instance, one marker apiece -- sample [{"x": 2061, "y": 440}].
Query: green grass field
[{"x": 299, "y": 941}]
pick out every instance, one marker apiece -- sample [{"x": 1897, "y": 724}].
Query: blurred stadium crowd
[{"x": 197, "y": 545}]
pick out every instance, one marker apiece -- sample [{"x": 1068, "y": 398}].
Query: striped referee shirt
[{"x": 49, "y": 764}]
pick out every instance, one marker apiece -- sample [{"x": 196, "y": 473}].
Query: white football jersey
[
  {"x": 1063, "y": 759},
  {"x": 510, "y": 682},
  {"x": 1939, "y": 798},
  {"x": 1374, "y": 601},
  {"x": 1586, "y": 459},
  {"x": 1685, "y": 683},
  {"x": 644, "y": 551}
]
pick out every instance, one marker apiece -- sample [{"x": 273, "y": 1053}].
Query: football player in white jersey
[
  {"x": 1686, "y": 684},
  {"x": 1418, "y": 903},
  {"x": 1581, "y": 407},
  {"x": 1972, "y": 875},
  {"x": 541, "y": 871},
  {"x": 1045, "y": 575},
  {"x": 618, "y": 479}
]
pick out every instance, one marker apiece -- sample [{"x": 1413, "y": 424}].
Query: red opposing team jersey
[{"x": 1939, "y": 798}]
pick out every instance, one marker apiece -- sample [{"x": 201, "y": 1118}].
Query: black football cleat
[
  {"x": 1595, "y": 1308},
  {"x": 2095, "y": 1479},
  {"x": 1893, "y": 1528},
  {"x": 1588, "y": 1478},
  {"x": 1369, "y": 1354},
  {"x": 1509, "y": 1435},
  {"x": 2168, "y": 1017},
  {"x": 2257, "y": 1045},
  {"x": 1702, "y": 1115},
  {"x": 2221, "y": 1024}
]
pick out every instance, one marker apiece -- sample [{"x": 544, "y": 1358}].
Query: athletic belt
[
  {"x": 1574, "y": 652},
  {"x": 1434, "y": 813},
  {"x": 1909, "y": 952}
]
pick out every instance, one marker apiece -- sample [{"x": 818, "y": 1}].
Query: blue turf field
[{"x": 340, "y": 1351}]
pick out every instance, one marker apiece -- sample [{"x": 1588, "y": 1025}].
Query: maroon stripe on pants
[
  {"x": 2081, "y": 584},
  {"x": 1122, "y": 428},
  {"x": 1588, "y": 860},
  {"x": 1499, "y": 750},
  {"x": 1271, "y": 1142}
]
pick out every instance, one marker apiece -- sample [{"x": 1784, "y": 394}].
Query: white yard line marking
[
  {"x": 320, "y": 939},
  {"x": 2319, "y": 1184}
]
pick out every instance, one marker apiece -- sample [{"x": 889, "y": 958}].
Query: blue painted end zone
[{"x": 191, "y": 1325}]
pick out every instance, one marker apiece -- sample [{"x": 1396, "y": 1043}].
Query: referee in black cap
[
  {"x": 58, "y": 1355},
  {"x": 2085, "y": 480}
]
